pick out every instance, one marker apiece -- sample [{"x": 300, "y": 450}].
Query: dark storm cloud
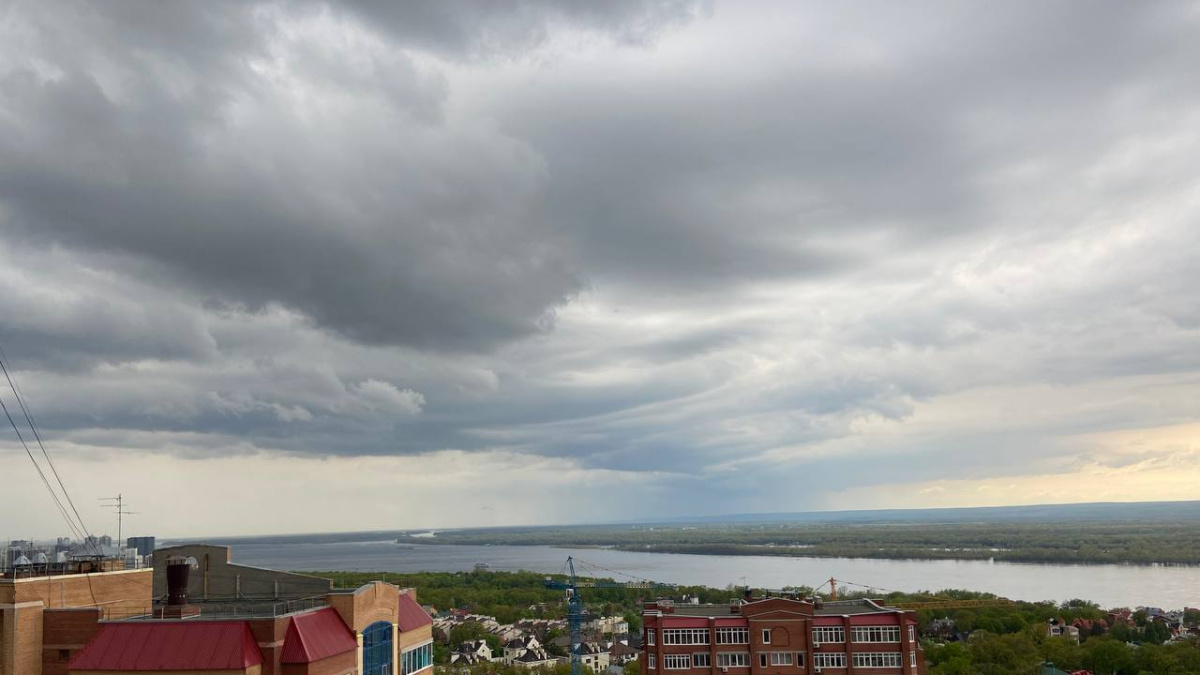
[
  {"x": 699, "y": 241},
  {"x": 375, "y": 218}
]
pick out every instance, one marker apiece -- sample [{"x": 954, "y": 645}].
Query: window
[
  {"x": 733, "y": 659},
  {"x": 766, "y": 637},
  {"x": 762, "y": 660},
  {"x": 733, "y": 636},
  {"x": 650, "y": 636},
  {"x": 701, "y": 660},
  {"x": 650, "y": 661},
  {"x": 878, "y": 660},
  {"x": 824, "y": 634},
  {"x": 781, "y": 658},
  {"x": 677, "y": 661},
  {"x": 377, "y": 649},
  {"x": 799, "y": 659},
  {"x": 829, "y": 660},
  {"x": 911, "y": 637},
  {"x": 417, "y": 658},
  {"x": 877, "y": 634},
  {"x": 685, "y": 636},
  {"x": 912, "y": 659}
]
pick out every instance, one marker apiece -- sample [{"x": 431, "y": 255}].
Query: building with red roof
[
  {"x": 377, "y": 629},
  {"x": 88, "y": 619}
]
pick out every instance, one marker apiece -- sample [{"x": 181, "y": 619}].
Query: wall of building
[
  {"x": 339, "y": 664},
  {"x": 219, "y": 578},
  {"x": 24, "y": 601},
  {"x": 64, "y": 633},
  {"x": 252, "y": 670}
]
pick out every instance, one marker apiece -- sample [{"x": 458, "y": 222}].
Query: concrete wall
[{"x": 219, "y": 578}]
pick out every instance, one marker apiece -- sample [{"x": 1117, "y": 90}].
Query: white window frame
[
  {"x": 733, "y": 659},
  {"x": 650, "y": 636},
  {"x": 829, "y": 660},
  {"x": 799, "y": 659},
  {"x": 823, "y": 635},
  {"x": 779, "y": 659},
  {"x": 677, "y": 661},
  {"x": 766, "y": 636},
  {"x": 912, "y": 659},
  {"x": 912, "y": 633},
  {"x": 878, "y": 660},
  {"x": 876, "y": 634},
  {"x": 650, "y": 662},
  {"x": 702, "y": 660},
  {"x": 733, "y": 635},
  {"x": 685, "y": 636}
]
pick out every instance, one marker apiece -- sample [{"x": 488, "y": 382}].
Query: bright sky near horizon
[{"x": 308, "y": 266}]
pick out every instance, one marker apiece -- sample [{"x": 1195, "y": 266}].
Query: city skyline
[{"x": 307, "y": 267}]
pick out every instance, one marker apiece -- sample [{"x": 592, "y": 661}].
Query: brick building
[
  {"x": 779, "y": 636},
  {"x": 48, "y": 616},
  {"x": 107, "y": 623}
]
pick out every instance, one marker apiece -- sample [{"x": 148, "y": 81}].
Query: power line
[
  {"x": 87, "y": 536},
  {"x": 41, "y": 474}
]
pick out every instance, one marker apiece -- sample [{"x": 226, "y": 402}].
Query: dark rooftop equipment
[{"x": 179, "y": 570}]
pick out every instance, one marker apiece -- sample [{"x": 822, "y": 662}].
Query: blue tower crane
[{"x": 575, "y": 609}]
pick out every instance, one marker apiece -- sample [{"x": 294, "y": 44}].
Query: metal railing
[{"x": 241, "y": 609}]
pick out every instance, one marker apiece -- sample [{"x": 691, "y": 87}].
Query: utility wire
[
  {"x": 87, "y": 536},
  {"x": 42, "y": 474}
]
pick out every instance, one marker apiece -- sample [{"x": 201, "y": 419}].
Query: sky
[{"x": 306, "y": 266}]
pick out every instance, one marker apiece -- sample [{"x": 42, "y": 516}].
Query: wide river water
[{"x": 1108, "y": 585}]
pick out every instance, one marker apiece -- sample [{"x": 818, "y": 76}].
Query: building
[
  {"x": 84, "y": 622},
  {"x": 513, "y": 649},
  {"x": 219, "y": 579},
  {"x": 477, "y": 648},
  {"x": 142, "y": 546},
  {"x": 1058, "y": 628},
  {"x": 780, "y": 636},
  {"x": 49, "y": 613}
]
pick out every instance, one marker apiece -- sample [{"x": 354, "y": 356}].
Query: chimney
[{"x": 178, "y": 570}]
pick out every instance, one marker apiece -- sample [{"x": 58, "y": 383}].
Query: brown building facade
[{"x": 779, "y": 636}]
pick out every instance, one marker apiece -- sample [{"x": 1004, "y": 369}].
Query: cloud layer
[{"x": 805, "y": 255}]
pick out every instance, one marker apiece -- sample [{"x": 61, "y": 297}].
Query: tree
[{"x": 1108, "y": 657}]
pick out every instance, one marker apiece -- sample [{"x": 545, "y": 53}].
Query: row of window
[
  {"x": 820, "y": 660},
  {"x": 824, "y": 634},
  {"x": 876, "y": 633},
  {"x": 415, "y": 659},
  {"x": 685, "y": 636},
  {"x": 741, "y": 636}
]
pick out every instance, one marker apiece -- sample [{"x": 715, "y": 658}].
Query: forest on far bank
[{"x": 1132, "y": 542}]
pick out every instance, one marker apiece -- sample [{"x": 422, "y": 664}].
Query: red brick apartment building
[{"x": 779, "y": 636}]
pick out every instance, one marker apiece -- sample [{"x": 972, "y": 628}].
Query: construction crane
[
  {"x": 933, "y": 603},
  {"x": 575, "y": 609}
]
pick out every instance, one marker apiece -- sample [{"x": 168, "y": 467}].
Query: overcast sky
[{"x": 288, "y": 267}]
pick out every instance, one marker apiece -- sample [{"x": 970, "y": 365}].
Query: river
[{"x": 1108, "y": 585}]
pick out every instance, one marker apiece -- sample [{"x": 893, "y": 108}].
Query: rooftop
[{"x": 829, "y": 608}]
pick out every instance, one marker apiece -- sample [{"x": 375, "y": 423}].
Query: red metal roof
[
  {"x": 313, "y": 636},
  {"x": 411, "y": 615},
  {"x": 175, "y": 645}
]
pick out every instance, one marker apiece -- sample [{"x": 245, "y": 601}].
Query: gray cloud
[{"x": 678, "y": 239}]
